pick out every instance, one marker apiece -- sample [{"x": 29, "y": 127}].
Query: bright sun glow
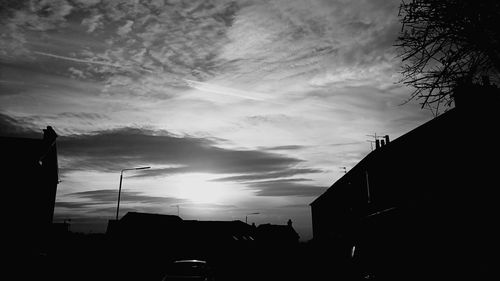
[{"x": 198, "y": 188}]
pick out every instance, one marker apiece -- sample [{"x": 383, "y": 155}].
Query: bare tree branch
[{"x": 443, "y": 42}]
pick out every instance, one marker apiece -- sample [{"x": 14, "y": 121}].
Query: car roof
[{"x": 190, "y": 261}]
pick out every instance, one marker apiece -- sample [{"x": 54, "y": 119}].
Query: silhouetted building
[
  {"x": 217, "y": 239},
  {"x": 218, "y": 231},
  {"x": 60, "y": 228},
  {"x": 146, "y": 228},
  {"x": 277, "y": 235},
  {"x": 29, "y": 172},
  {"x": 424, "y": 203},
  {"x": 173, "y": 237},
  {"x": 182, "y": 238}
]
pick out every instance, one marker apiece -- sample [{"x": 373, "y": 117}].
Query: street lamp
[
  {"x": 120, "y": 188},
  {"x": 246, "y": 217}
]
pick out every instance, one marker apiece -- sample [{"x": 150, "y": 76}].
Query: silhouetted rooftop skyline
[{"x": 238, "y": 106}]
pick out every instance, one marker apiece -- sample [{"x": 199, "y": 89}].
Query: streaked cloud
[
  {"x": 287, "y": 187},
  {"x": 113, "y": 149},
  {"x": 92, "y": 209},
  {"x": 272, "y": 175},
  {"x": 285, "y": 147},
  {"x": 234, "y": 103},
  {"x": 319, "y": 42},
  {"x": 105, "y": 196}
]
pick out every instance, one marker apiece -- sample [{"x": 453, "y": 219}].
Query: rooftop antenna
[{"x": 371, "y": 143}]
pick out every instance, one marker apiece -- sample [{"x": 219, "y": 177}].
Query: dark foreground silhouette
[{"x": 76, "y": 256}]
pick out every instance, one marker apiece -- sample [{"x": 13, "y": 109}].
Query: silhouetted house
[
  {"x": 277, "y": 235},
  {"x": 59, "y": 234},
  {"x": 424, "y": 202},
  {"x": 218, "y": 231},
  {"x": 217, "y": 238},
  {"x": 137, "y": 234},
  {"x": 60, "y": 228},
  {"x": 135, "y": 225},
  {"x": 170, "y": 237},
  {"x": 29, "y": 174},
  {"x": 180, "y": 237}
]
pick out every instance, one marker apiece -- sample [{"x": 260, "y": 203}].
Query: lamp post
[
  {"x": 120, "y": 188},
  {"x": 246, "y": 217}
]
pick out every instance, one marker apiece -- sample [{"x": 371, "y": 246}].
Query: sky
[{"x": 244, "y": 110}]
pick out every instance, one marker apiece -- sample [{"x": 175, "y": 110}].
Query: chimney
[
  {"x": 289, "y": 223},
  {"x": 377, "y": 144},
  {"x": 49, "y": 135},
  {"x": 382, "y": 143},
  {"x": 49, "y": 139},
  {"x": 386, "y": 137}
]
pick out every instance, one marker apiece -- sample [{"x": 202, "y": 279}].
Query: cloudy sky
[{"x": 239, "y": 107}]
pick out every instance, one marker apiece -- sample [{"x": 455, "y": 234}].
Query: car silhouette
[{"x": 188, "y": 270}]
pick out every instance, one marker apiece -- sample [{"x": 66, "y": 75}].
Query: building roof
[
  {"x": 194, "y": 231},
  {"x": 149, "y": 218},
  {"x": 276, "y": 233},
  {"x": 443, "y": 135},
  {"x": 393, "y": 149},
  {"x": 222, "y": 230},
  {"x": 136, "y": 224}
]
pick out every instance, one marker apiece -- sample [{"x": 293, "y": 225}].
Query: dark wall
[
  {"x": 29, "y": 181},
  {"x": 438, "y": 182}
]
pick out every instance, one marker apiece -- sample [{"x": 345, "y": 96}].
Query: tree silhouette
[{"x": 443, "y": 43}]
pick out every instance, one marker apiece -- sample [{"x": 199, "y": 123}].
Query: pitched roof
[
  {"x": 475, "y": 115},
  {"x": 422, "y": 135},
  {"x": 273, "y": 232},
  {"x": 222, "y": 230},
  {"x": 149, "y": 219}
]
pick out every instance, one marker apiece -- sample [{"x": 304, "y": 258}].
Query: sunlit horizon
[{"x": 237, "y": 106}]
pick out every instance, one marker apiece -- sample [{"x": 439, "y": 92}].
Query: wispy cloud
[
  {"x": 319, "y": 41},
  {"x": 90, "y": 61},
  {"x": 290, "y": 88},
  {"x": 102, "y": 202},
  {"x": 287, "y": 187},
  {"x": 91, "y": 210},
  {"x": 282, "y": 174},
  {"x": 159, "y": 49},
  {"x": 106, "y": 196},
  {"x": 112, "y": 149},
  {"x": 222, "y": 90},
  {"x": 285, "y": 147}
]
